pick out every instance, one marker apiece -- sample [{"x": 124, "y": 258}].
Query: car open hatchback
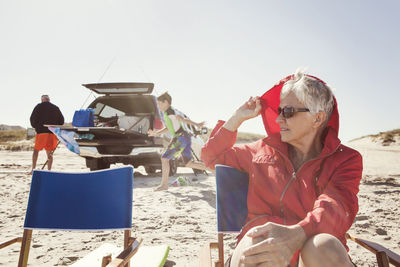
[{"x": 124, "y": 112}]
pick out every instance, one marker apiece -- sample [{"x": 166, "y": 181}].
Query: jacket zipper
[
  {"x": 294, "y": 176},
  {"x": 283, "y": 194}
]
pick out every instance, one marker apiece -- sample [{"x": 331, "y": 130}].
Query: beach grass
[
  {"x": 385, "y": 138},
  {"x": 13, "y": 135},
  {"x": 15, "y": 140}
]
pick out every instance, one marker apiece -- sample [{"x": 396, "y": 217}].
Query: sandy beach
[{"x": 184, "y": 217}]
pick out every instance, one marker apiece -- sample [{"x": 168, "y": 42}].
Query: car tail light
[{"x": 158, "y": 125}]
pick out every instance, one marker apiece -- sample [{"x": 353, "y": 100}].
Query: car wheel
[
  {"x": 173, "y": 167},
  {"x": 150, "y": 169},
  {"x": 197, "y": 171},
  {"x": 97, "y": 164}
]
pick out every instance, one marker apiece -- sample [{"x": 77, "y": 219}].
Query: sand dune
[{"x": 184, "y": 217}]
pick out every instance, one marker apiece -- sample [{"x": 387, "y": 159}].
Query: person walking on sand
[
  {"x": 180, "y": 144},
  {"x": 45, "y": 113}
]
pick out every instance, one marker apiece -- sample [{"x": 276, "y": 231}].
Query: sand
[{"x": 184, "y": 217}]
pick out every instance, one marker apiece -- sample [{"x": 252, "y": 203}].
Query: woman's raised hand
[{"x": 250, "y": 109}]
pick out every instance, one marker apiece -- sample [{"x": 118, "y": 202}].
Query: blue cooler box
[{"x": 83, "y": 118}]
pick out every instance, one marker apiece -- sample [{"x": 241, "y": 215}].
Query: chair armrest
[
  {"x": 124, "y": 257},
  {"x": 205, "y": 254},
  {"x": 394, "y": 258},
  {"x": 10, "y": 242}
]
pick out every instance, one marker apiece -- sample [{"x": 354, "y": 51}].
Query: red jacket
[{"x": 321, "y": 196}]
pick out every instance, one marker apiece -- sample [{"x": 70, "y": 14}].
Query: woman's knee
[
  {"x": 238, "y": 252},
  {"x": 324, "y": 248}
]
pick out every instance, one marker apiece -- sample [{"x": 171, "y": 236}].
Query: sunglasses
[{"x": 288, "y": 112}]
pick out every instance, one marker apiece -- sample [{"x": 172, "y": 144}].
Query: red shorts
[{"x": 48, "y": 141}]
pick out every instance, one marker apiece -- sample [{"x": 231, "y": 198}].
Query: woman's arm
[
  {"x": 335, "y": 209},
  {"x": 220, "y": 148},
  {"x": 250, "y": 109}
]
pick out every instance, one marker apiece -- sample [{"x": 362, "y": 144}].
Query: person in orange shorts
[{"x": 45, "y": 113}]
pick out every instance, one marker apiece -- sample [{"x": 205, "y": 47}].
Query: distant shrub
[
  {"x": 12, "y": 135},
  {"x": 17, "y": 147},
  {"x": 244, "y": 137},
  {"x": 385, "y": 137}
]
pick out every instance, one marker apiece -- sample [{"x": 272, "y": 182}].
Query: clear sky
[{"x": 210, "y": 55}]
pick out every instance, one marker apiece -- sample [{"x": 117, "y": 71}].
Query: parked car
[{"x": 123, "y": 114}]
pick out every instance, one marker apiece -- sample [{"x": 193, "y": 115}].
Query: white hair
[{"x": 314, "y": 94}]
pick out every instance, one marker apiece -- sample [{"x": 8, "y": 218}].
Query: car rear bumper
[{"x": 91, "y": 151}]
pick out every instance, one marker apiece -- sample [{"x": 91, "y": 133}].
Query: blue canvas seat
[
  {"x": 231, "y": 206},
  {"x": 100, "y": 200}
]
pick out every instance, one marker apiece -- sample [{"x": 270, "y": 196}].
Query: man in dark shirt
[{"x": 45, "y": 113}]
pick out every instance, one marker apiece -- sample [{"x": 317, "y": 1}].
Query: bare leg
[
  {"x": 326, "y": 249},
  {"x": 35, "y": 156},
  {"x": 165, "y": 174},
  {"x": 49, "y": 159},
  {"x": 321, "y": 248}
]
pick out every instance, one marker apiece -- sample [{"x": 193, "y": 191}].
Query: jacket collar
[{"x": 330, "y": 143}]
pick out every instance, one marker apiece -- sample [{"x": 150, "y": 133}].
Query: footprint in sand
[
  {"x": 381, "y": 231},
  {"x": 364, "y": 225},
  {"x": 66, "y": 261},
  {"x": 361, "y": 218},
  {"x": 101, "y": 235}
]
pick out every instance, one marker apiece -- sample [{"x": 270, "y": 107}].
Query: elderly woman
[{"x": 303, "y": 182}]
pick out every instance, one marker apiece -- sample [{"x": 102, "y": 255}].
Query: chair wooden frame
[
  {"x": 131, "y": 246},
  {"x": 10, "y": 242},
  {"x": 384, "y": 256},
  {"x": 205, "y": 257}
]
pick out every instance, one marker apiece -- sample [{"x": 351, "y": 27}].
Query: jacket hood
[{"x": 270, "y": 101}]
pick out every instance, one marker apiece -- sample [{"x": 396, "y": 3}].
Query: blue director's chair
[
  {"x": 231, "y": 204},
  {"x": 100, "y": 200}
]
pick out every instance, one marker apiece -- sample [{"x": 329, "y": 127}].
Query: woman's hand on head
[{"x": 250, "y": 109}]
